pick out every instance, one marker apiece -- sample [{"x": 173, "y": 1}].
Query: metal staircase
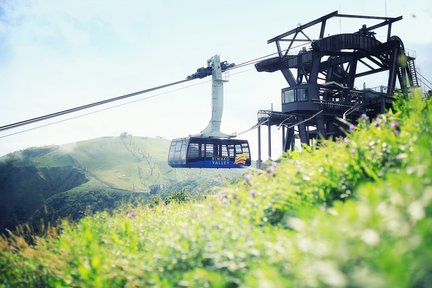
[{"x": 412, "y": 74}]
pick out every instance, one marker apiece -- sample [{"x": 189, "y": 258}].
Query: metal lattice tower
[{"x": 321, "y": 77}]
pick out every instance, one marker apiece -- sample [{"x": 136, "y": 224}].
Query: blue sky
[{"x": 56, "y": 55}]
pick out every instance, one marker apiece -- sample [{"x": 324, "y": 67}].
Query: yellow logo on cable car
[{"x": 241, "y": 158}]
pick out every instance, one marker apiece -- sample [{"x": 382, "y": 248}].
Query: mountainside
[{"x": 68, "y": 180}]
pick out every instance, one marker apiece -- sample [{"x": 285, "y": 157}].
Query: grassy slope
[
  {"x": 354, "y": 213},
  {"x": 38, "y": 177}
]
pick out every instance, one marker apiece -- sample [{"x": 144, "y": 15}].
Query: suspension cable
[
  {"x": 106, "y": 101},
  {"x": 103, "y": 109},
  {"x": 79, "y": 108},
  {"x": 250, "y": 62},
  {"x": 288, "y": 118},
  {"x": 253, "y": 127},
  {"x": 289, "y": 127},
  {"x": 301, "y": 122},
  {"x": 424, "y": 79},
  {"x": 256, "y": 60}
]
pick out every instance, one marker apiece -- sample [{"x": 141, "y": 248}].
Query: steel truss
[{"x": 322, "y": 74}]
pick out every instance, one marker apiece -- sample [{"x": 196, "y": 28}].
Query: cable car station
[{"x": 321, "y": 78}]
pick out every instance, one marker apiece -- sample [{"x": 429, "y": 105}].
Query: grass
[{"x": 351, "y": 213}]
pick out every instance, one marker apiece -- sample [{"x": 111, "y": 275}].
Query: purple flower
[
  {"x": 376, "y": 124},
  {"x": 353, "y": 151},
  {"x": 394, "y": 124},
  {"x": 131, "y": 214},
  {"x": 248, "y": 177},
  {"x": 224, "y": 200},
  {"x": 252, "y": 192},
  {"x": 271, "y": 168},
  {"x": 363, "y": 116},
  {"x": 346, "y": 140},
  {"x": 351, "y": 127}
]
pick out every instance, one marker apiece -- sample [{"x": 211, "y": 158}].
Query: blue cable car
[
  {"x": 210, "y": 148},
  {"x": 198, "y": 152}
]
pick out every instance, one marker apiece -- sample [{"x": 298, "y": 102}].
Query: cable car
[
  {"x": 210, "y": 148},
  {"x": 199, "y": 152}
]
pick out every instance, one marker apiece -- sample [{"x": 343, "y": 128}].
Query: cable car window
[
  {"x": 245, "y": 147},
  {"x": 193, "y": 150},
  {"x": 224, "y": 152},
  {"x": 209, "y": 150},
  {"x": 231, "y": 151},
  {"x": 183, "y": 151},
  {"x": 171, "y": 151},
  {"x": 178, "y": 146},
  {"x": 238, "y": 149}
]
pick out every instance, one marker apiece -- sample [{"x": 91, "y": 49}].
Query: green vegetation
[
  {"x": 352, "y": 213},
  {"x": 77, "y": 179}
]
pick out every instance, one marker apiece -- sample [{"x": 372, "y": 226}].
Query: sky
[{"x": 55, "y": 55}]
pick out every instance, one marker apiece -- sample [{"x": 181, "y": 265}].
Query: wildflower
[
  {"x": 394, "y": 124},
  {"x": 376, "y": 124},
  {"x": 252, "y": 192},
  {"x": 224, "y": 200},
  {"x": 247, "y": 178},
  {"x": 271, "y": 168},
  {"x": 351, "y": 127},
  {"x": 353, "y": 151},
  {"x": 130, "y": 214},
  {"x": 363, "y": 116},
  {"x": 346, "y": 140}
]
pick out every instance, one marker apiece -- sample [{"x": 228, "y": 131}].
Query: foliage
[
  {"x": 25, "y": 189},
  {"x": 178, "y": 197},
  {"x": 353, "y": 213},
  {"x": 83, "y": 201}
]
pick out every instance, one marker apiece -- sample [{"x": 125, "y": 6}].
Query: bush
[{"x": 178, "y": 197}]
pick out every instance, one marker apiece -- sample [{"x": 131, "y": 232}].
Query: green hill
[{"x": 73, "y": 179}]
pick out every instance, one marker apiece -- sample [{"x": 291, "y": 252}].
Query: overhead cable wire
[
  {"x": 288, "y": 118},
  {"x": 91, "y": 105},
  {"x": 289, "y": 127},
  {"x": 104, "y": 109},
  {"x": 87, "y": 106},
  {"x": 256, "y": 60},
  {"x": 106, "y": 101},
  {"x": 250, "y": 62},
  {"x": 253, "y": 127},
  {"x": 351, "y": 110},
  {"x": 310, "y": 118},
  {"x": 424, "y": 79}
]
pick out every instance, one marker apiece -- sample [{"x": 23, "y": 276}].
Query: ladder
[{"x": 412, "y": 74}]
